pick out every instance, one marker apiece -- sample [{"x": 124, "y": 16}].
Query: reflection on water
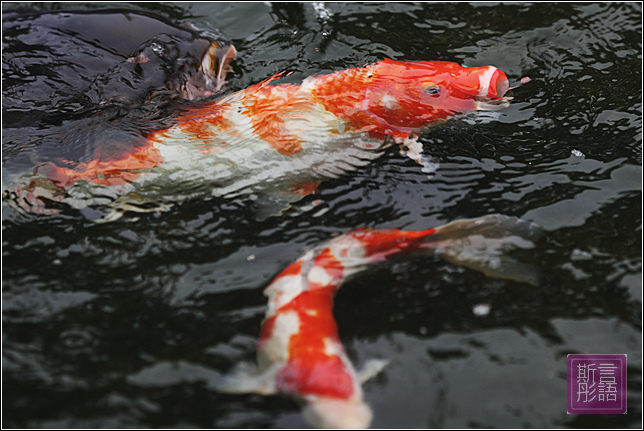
[{"x": 129, "y": 324}]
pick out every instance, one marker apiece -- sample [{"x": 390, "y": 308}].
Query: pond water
[{"x": 130, "y": 323}]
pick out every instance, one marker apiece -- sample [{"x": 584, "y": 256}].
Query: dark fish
[{"x": 68, "y": 60}]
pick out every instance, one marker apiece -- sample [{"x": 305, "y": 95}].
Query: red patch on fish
[
  {"x": 305, "y": 189},
  {"x": 203, "y": 122},
  {"x": 105, "y": 172},
  {"x": 316, "y": 374},
  {"x": 330, "y": 271},
  {"x": 266, "y": 107},
  {"x": 380, "y": 244},
  {"x": 312, "y": 369},
  {"x": 293, "y": 269},
  {"x": 343, "y": 94}
]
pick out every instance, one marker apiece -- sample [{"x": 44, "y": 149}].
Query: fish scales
[
  {"x": 299, "y": 352},
  {"x": 269, "y": 140}
]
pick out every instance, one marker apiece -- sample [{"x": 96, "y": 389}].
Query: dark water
[{"x": 128, "y": 324}]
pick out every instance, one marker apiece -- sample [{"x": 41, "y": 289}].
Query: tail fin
[{"x": 481, "y": 243}]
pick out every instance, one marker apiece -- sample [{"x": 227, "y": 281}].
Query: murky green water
[{"x": 129, "y": 324}]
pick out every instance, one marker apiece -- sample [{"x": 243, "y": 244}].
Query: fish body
[
  {"x": 299, "y": 351},
  {"x": 271, "y": 140}
]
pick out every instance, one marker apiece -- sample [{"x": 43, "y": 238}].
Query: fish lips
[
  {"x": 492, "y": 94},
  {"x": 489, "y": 104}
]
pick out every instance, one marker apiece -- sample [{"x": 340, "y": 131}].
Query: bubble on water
[
  {"x": 157, "y": 48},
  {"x": 481, "y": 309},
  {"x": 524, "y": 80},
  {"x": 578, "y": 254},
  {"x": 322, "y": 13},
  {"x": 430, "y": 166},
  {"x": 76, "y": 338}
]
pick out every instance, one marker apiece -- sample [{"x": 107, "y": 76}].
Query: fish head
[
  {"x": 409, "y": 95},
  {"x": 210, "y": 77},
  {"x": 215, "y": 63}
]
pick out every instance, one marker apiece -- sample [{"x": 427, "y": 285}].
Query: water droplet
[
  {"x": 76, "y": 338},
  {"x": 577, "y": 153},
  {"x": 481, "y": 309}
]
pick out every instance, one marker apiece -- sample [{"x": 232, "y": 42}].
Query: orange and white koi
[
  {"x": 276, "y": 140},
  {"x": 299, "y": 351}
]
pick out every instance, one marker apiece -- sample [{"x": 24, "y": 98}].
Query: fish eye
[{"x": 432, "y": 89}]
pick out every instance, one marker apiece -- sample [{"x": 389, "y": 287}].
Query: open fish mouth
[
  {"x": 215, "y": 63},
  {"x": 493, "y": 94},
  {"x": 488, "y": 104}
]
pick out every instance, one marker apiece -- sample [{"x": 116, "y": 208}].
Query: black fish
[{"x": 69, "y": 60}]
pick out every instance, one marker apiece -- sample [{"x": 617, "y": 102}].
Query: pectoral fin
[
  {"x": 273, "y": 203},
  {"x": 246, "y": 379},
  {"x": 413, "y": 149},
  {"x": 371, "y": 369}
]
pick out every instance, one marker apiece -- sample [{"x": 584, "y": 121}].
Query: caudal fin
[{"x": 482, "y": 243}]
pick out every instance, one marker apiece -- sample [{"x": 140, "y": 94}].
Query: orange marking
[
  {"x": 293, "y": 269},
  {"x": 310, "y": 369},
  {"x": 267, "y": 106},
  {"x": 333, "y": 268},
  {"x": 305, "y": 189},
  {"x": 198, "y": 122},
  {"x": 343, "y": 93},
  {"x": 391, "y": 241},
  {"x": 323, "y": 376},
  {"x": 105, "y": 172}
]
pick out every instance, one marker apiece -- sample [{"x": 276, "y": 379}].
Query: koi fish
[
  {"x": 94, "y": 64},
  {"x": 270, "y": 143},
  {"x": 299, "y": 351}
]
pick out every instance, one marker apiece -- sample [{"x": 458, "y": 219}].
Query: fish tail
[{"x": 482, "y": 244}]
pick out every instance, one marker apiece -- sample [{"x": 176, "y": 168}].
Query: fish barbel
[
  {"x": 299, "y": 351},
  {"x": 272, "y": 143}
]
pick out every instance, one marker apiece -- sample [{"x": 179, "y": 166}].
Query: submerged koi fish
[
  {"x": 273, "y": 143},
  {"x": 147, "y": 56},
  {"x": 299, "y": 351}
]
